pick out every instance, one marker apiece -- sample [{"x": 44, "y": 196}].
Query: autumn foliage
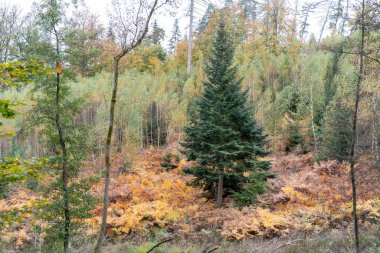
[
  {"x": 305, "y": 196},
  {"x": 146, "y": 199}
]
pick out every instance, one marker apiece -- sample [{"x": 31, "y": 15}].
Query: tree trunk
[
  {"x": 375, "y": 136},
  {"x": 125, "y": 50},
  {"x": 158, "y": 125},
  {"x": 62, "y": 143},
  {"x": 294, "y": 22},
  {"x": 304, "y": 25},
  {"x": 65, "y": 173},
  {"x": 275, "y": 126},
  {"x": 107, "y": 155},
  {"x": 324, "y": 24},
  {"x": 345, "y": 17},
  {"x": 312, "y": 119},
  {"x": 190, "y": 39},
  {"x": 141, "y": 134},
  {"x": 219, "y": 197},
  {"x": 354, "y": 131},
  {"x": 151, "y": 124}
]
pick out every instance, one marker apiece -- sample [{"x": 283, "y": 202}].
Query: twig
[
  {"x": 158, "y": 244},
  {"x": 213, "y": 249}
]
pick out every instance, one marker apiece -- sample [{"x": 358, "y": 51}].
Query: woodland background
[{"x": 301, "y": 86}]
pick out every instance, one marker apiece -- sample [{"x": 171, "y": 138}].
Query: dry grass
[{"x": 332, "y": 241}]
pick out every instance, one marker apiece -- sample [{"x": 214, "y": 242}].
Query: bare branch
[{"x": 158, "y": 244}]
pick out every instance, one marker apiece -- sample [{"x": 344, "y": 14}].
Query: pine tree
[
  {"x": 222, "y": 135},
  {"x": 176, "y": 36},
  {"x": 337, "y": 132},
  {"x": 332, "y": 70},
  {"x": 157, "y": 35},
  {"x": 250, "y": 8},
  {"x": 203, "y": 23}
]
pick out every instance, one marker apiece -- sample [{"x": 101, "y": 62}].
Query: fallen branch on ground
[{"x": 158, "y": 244}]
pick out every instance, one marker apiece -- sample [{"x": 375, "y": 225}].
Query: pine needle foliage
[{"x": 222, "y": 135}]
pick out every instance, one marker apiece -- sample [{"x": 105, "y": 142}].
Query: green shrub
[
  {"x": 255, "y": 186},
  {"x": 170, "y": 161}
]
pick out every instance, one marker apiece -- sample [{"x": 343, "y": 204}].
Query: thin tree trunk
[
  {"x": 375, "y": 136},
  {"x": 312, "y": 119},
  {"x": 125, "y": 50},
  {"x": 354, "y": 129},
  {"x": 345, "y": 17},
  {"x": 303, "y": 30},
  {"x": 38, "y": 240},
  {"x": 65, "y": 172},
  {"x": 267, "y": 21},
  {"x": 158, "y": 125},
  {"x": 190, "y": 39},
  {"x": 219, "y": 197},
  {"x": 324, "y": 23},
  {"x": 107, "y": 154},
  {"x": 275, "y": 126},
  {"x": 141, "y": 134},
  {"x": 62, "y": 143},
  {"x": 151, "y": 125}
]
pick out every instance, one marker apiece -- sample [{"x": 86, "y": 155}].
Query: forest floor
[{"x": 306, "y": 209}]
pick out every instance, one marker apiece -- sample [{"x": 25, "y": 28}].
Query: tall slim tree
[
  {"x": 10, "y": 31},
  {"x": 157, "y": 35},
  {"x": 51, "y": 17},
  {"x": 54, "y": 113},
  {"x": 176, "y": 36},
  {"x": 337, "y": 130},
  {"x": 307, "y": 9},
  {"x": 250, "y": 8},
  {"x": 203, "y": 23},
  {"x": 130, "y": 19},
  {"x": 190, "y": 38},
  {"x": 82, "y": 36},
  {"x": 222, "y": 135},
  {"x": 337, "y": 14},
  {"x": 362, "y": 26}
]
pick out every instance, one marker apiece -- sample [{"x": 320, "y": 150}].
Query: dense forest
[{"x": 247, "y": 132}]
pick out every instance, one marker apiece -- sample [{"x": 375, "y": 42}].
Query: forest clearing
[{"x": 254, "y": 129}]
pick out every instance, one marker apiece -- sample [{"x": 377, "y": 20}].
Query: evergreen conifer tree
[
  {"x": 203, "y": 23},
  {"x": 222, "y": 135},
  {"x": 157, "y": 35},
  {"x": 176, "y": 36},
  {"x": 337, "y": 133}
]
